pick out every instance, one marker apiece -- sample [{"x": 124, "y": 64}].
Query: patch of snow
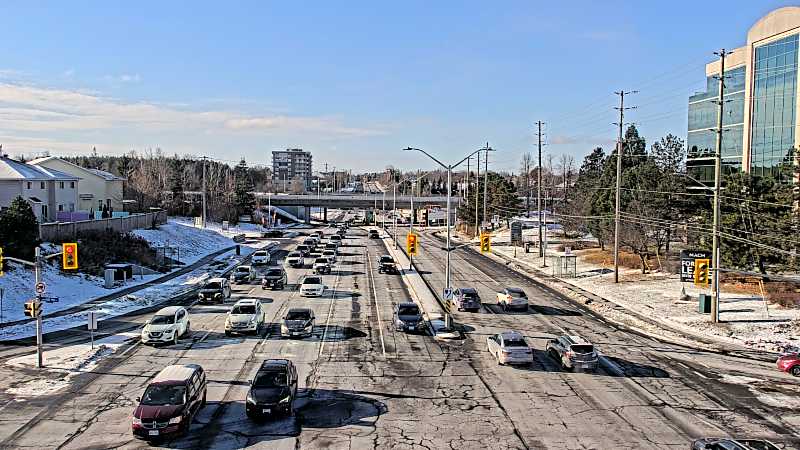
[{"x": 69, "y": 361}]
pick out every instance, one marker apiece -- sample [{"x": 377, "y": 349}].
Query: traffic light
[
  {"x": 411, "y": 244},
  {"x": 69, "y": 256},
  {"x": 486, "y": 243},
  {"x": 702, "y": 272},
  {"x": 1, "y": 261},
  {"x": 33, "y": 308}
]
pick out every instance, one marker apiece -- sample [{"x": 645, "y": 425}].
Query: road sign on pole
[
  {"x": 41, "y": 288},
  {"x": 448, "y": 293},
  {"x": 92, "y": 325}
]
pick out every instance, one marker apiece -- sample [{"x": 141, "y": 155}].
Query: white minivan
[
  {"x": 260, "y": 257},
  {"x": 166, "y": 326}
]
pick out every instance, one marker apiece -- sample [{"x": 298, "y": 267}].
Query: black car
[
  {"x": 408, "y": 317},
  {"x": 275, "y": 277},
  {"x": 373, "y": 234},
  {"x": 732, "y": 444},
  {"x": 272, "y": 234},
  {"x": 273, "y": 389},
  {"x": 303, "y": 249},
  {"x": 386, "y": 264}
]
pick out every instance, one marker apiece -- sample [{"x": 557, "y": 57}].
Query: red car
[{"x": 790, "y": 362}]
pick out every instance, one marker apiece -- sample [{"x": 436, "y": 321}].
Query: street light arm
[
  {"x": 695, "y": 180},
  {"x": 467, "y": 157},
  {"x": 429, "y": 156}
]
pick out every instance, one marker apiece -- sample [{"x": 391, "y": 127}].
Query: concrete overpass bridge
[{"x": 348, "y": 201}]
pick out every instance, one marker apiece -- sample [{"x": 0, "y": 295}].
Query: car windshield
[
  {"x": 243, "y": 309},
  {"x": 298, "y": 315},
  {"x": 213, "y": 285},
  {"x": 583, "y": 348},
  {"x": 270, "y": 379},
  {"x": 386, "y": 259},
  {"x": 260, "y": 254},
  {"x": 321, "y": 261},
  {"x": 515, "y": 343},
  {"x": 327, "y": 252},
  {"x": 410, "y": 310},
  {"x": 243, "y": 269},
  {"x": 274, "y": 273},
  {"x": 162, "y": 320},
  {"x": 158, "y": 395},
  {"x": 312, "y": 280},
  {"x": 757, "y": 444},
  {"x": 468, "y": 294},
  {"x": 294, "y": 254},
  {"x": 516, "y": 293}
]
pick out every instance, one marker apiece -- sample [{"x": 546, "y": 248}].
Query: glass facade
[
  {"x": 702, "y": 139},
  {"x": 774, "y": 105}
]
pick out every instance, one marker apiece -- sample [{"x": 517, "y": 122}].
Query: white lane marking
[
  {"x": 375, "y": 297},
  {"x": 134, "y": 345},
  {"x": 250, "y": 292},
  {"x": 330, "y": 312}
]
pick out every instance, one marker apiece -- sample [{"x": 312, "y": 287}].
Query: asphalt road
[{"x": 363, "y": 385}]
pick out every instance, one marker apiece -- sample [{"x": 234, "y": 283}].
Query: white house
[
  {"x": 96, "y": 188},
  {"x": 49, "y": 191}
]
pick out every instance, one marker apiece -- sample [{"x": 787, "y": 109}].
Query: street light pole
[{"x": 449, "y": 169}]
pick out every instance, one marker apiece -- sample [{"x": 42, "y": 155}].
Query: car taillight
[
  {"x": 505, "y": 352},
  {"x": 570, "y": 354}
]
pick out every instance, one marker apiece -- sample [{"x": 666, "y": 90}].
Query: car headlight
[
  {"x": 175, "y": 420},
  {"x": 309, "y": 326},
  {"x": 286, "y": 400},
  {"x": 136, "y": 421},
  {"x": 284, "y": 329},
  {"x": 250, "y": 398}
]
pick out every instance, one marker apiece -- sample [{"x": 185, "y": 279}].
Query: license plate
[
  {"x": 153, "y": 432},
  {"x": 266, "y": 411}
]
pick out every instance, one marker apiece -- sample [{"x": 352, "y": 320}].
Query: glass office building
[{"x": 760, "y": 109}]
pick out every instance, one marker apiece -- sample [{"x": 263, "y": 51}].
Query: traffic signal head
[
  {"x": 69, "y": 256},
  {"x": 702, "y": 272},
  {"x": 33, "y": 308},
  {"x": 1, "y": 261},
  {"x": 411, "y": 244},
  {"x": 486, "y": 243}
]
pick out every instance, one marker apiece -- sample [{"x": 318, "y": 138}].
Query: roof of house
[
  {"x": 16, "y": 170},
  {"x": 97, "y": 172}
]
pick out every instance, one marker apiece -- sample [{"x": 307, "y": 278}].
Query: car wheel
[
  {"x": 175, "y": 339},
  {"x": 187, "y": 330},
  {"x": 795, "y": 371},
  {"x": 227, "y": 333},
  {"x": 203, "y": 402}
]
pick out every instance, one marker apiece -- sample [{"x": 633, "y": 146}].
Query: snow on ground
[
  {"x": 68, "y": 361},
  {"x": 747, "y": 320},
  {"x": 148, "y": 297},
  {"x": 72, "y": 290}
]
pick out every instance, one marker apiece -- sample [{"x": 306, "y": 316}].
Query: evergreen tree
[
  {"x": 176, "y": 186},
  {"x": 19, "y": 230},
  {"x": 244, "y": 200}
]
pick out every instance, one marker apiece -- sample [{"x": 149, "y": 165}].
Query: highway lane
[{"x": 660, "y": 402}]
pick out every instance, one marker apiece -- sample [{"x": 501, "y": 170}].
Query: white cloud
[
  {"x": 126, "y": 78},
  {"x": 28, "y": 109}
]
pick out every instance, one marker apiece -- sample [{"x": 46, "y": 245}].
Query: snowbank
[{"x": 67, "y": 362}]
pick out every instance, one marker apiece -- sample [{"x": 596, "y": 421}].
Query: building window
[
  {"x": 774, "y": 111},
  {"x": 72, "y": 207},
  {"x": 28, "y": 184},
  {"x": 41, "y": 185},
  {"x": 60, "y": 208},
  {"x": 72, "y": 185},
  {"x": 61, "y": 185},
  {"x": 99, "y": 204},
  {"x": 44, "y": 211}
]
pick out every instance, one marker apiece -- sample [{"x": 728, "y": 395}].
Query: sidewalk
[{"x": 652, "y": 304}]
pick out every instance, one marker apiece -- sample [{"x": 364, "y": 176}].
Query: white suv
[
  {"x": 166, "y": 326},
  {"x": 312, "y": 287},
  {"x": 246, "y": 316},
  {"x": 260, "y": 257}
]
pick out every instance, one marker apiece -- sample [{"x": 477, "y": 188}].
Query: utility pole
[
  {"x": 204, "y": 191},
  {"x": 621, "y": 123},
  {"x": 477, "y": 193},
  {"x": 487, "y": 149},
  {"x": 539, "y": 124},
  {"x": 715, "y": 266},
  {"x": 38, "y": 275}
]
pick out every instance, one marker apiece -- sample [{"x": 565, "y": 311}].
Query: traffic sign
[
  {"x": 92, "y": 317},
  {"x": 41, "y": 287},
  {"x": 448, "y": 294}
]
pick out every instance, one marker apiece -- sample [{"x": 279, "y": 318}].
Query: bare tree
[{"x": 526, "y": 166}]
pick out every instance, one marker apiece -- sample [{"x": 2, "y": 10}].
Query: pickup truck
[
  {"x": 322, "y": 266},
  {"x": 386, "y": 265},
  {"x": 275, "y": 277},
  {"x": 295, "y": 259}
]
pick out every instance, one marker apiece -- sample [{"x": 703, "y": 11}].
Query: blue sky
[{"x": 354, "y": 82}]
